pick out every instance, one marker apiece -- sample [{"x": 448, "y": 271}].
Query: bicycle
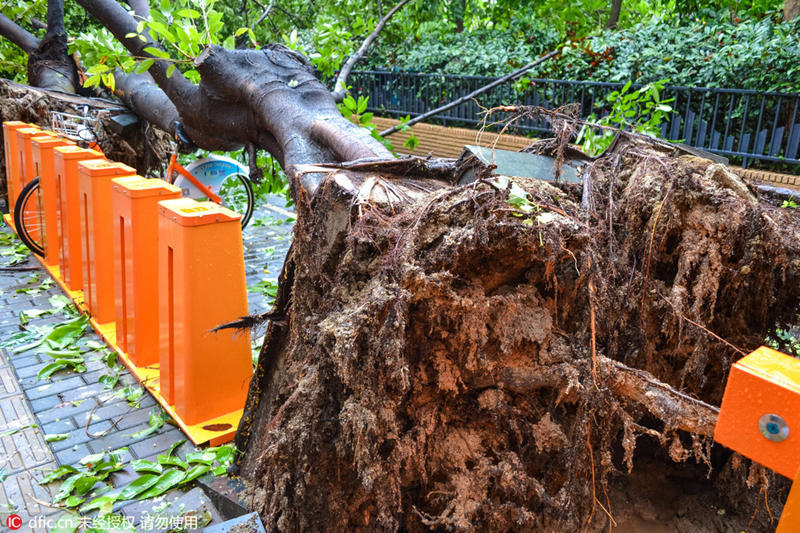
[{"x": 216, "y": 178}]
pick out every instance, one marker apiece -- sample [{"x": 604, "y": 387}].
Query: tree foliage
[{"x": 701, "y": 49}]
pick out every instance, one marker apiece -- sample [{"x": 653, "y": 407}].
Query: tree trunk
[
  {"x": 460, "y": 14},
  {"x": 267, "y": 98},
  {"x": 613, "y": 15},
  {"x": 50, "y": 66},
  {"x": 791, "y": 9}
]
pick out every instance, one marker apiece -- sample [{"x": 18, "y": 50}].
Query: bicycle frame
[{"x": 174, "y": 166}]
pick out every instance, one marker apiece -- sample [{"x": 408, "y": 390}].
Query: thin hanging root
[
  {"x": 766, "y": 503},
  {"x": 650, "y": 248},
  {"x": 702, "y": 327},
  {"x": 592, "y": 321},
  {"x": 591, "y": 464}
]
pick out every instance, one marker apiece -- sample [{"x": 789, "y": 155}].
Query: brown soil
[{"x": 442, "y": 362}]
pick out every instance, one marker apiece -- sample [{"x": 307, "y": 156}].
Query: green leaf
[
  {"x": 67, "y": 332},
  {"x": 49, "y": 370},
  {"x": 165, "y": 481},
  {"x": 157, "y": 52},
  {"x": 156, "y": 421},
  {"x": 103, "y": 504},
  {"x": 74, "y": 501},
  {"x": 518, "y": 198},
  {"x": 170, "y": 70},
  {"x": 58, "y": 473},
  {"x": 138, "y": 485},
  {"x": 85, "y": 484},
  {"x": 172, "y": 461},
  {"x": 175, "y": 446},
  {"x": 142, "y": 66},
  {"x": 94, "y": 345},
  {"x": 240, "y": 31},
  {"x": 59, "y": 301},
  {"x": 111, "y": 359},
  {"x": 188, "y": 13},
  {"x": 195, "y": 472},
  {"x": 93, "y": 458},
  {"x": 362, "y": 104},
  {"x": 66, "y": 487},
  {"x": 142, "y": 465},
  {"x": 109, "y": 381},
  {"x": 106, "y": 468},
  {"x": 55, "y": 437},
  {"x": 225, "y": 454},
  {"x": 206, "y": 458}
]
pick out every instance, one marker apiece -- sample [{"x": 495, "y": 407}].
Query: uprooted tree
[{"x": 439, "y": 357}]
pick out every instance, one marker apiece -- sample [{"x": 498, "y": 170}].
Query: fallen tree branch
[
  {"x": 340, "y": 89},
  {"x": 474, "y": 93}
]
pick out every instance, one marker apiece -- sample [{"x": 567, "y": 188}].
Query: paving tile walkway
[{"x": 76, "y": 404}]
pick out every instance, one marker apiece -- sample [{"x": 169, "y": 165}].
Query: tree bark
[
  {"x": 791, "y": 9},
  {"x": 17, "y": 34},
  {"x": 460, "y": 13},
  {"x": 50, "y": 65},
  {"x": 613, "y": 15}
]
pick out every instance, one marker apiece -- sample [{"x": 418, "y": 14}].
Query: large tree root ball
[{"x": 440, "y": 359}]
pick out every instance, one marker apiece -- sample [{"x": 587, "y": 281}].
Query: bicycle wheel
[
  {"x": 226, "y": 178},
  {"x": 237, "y": 195},
  {"x": 29, "y": 217}
]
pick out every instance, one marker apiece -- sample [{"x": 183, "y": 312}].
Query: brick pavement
[{"x": 75, "y": 403}]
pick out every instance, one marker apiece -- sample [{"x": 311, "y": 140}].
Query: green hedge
[{"x": 755, "y": 54}]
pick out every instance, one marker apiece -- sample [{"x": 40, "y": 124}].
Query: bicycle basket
[{"x": 73, "y": 127}]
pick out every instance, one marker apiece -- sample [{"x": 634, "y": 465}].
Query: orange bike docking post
[
  {"x": 43, "y": 165},
  {"x": 13, "y": 176},
  {"x": 97, "y": 234},
  {"x": 760, "y": 418},
  {"x": 24, "y": 161},
  {"x": 201, "y": 285},
  {"x": 70, "y": 261},
  {"x": 135, "y": 207},
  {"x": 24, "y": 137}
]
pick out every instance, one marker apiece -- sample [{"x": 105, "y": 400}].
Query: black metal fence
[{"x": 750, "y": 125}]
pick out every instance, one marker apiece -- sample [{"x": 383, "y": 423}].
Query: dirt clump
[{"x": 452, "y": 358}]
